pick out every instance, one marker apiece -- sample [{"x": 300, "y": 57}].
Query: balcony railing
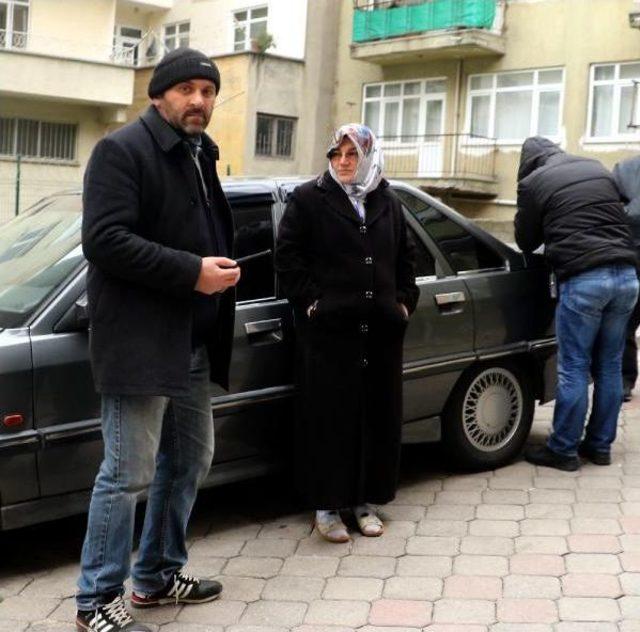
[
  {"x": 13, "y": 39},
  {"x": 395, "y": 18},
  {"x": 147, "y": 51},
  {"x": 442, "y": 156}
]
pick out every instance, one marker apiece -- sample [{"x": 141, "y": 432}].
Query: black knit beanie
[{"x": 179, "y": 65}]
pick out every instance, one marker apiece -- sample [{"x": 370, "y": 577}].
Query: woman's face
[{"x": 344, "y": 161}]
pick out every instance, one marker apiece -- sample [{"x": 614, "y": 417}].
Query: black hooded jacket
[
  {"x": 627, "y": 177},
  {"x": 572, "y": 205}
]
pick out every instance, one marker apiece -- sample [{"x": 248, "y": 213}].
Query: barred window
[
  {"x": 274, "y": 136},
  {"x": 38, "y": 139}
]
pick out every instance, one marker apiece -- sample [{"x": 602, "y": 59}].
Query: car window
[
  {"x": 38, "y": 250},
  {"x": 464, "y": 251},
  {"x": 254, "y": 232},
  {"x": 425, "y": 263}
]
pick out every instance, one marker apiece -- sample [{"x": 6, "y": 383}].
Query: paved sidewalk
[{"x": 521, "y": 549}]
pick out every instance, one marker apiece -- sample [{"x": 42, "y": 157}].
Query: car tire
[{"x": 488, "y": 416}]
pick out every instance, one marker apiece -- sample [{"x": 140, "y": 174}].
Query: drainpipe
[
  {"x": 17, "y": 209},
  {"x": 456, "y": 119}
]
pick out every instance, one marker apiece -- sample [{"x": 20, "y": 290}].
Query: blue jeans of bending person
[
  {"x": 591, "y": 319},
  {"x": 160, "y": 444}
]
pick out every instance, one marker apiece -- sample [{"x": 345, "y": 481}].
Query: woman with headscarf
[{"x": 345, "y": 262}]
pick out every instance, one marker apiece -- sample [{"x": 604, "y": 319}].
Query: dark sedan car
[{"x": 478, "y": 351}]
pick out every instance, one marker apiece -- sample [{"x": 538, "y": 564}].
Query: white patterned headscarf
[{"x": 370, "y": 162}]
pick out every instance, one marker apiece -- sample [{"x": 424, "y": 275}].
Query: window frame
[
  {"x": 274, "y": 119},
  {"x": 423, "y": 96},
  {"x": 617, "y": 84},
  {"x": 38, "y": 157},
  {"x": 120, "y": 42},
  {"x": 535, "y": 87},
  {"x": 247, "y": 22},
  {"x": 9, "y": 31},
  {"x": 176, "y": 35}
]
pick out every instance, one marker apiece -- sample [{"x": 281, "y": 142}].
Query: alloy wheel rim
[{"x": 492, "y": 409}]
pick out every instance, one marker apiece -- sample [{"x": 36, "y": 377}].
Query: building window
[
  {"x": 38, "y": 139},
  {"x": 176, "y": 35},
  {"x": 612, "y": 101},
  {"x": 274, "y": 136},
  {"x": 511, "y": 106},
  {"x": 405, "y": 111},
  {"x": 14, "y": 23},
  {"x": 248, "y": 25},
  {"x": 126, "y": 44}
]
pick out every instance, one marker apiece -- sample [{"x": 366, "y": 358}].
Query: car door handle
[
  {"x": 450, "y": 297},
  {"x": 264, "y": 331}
]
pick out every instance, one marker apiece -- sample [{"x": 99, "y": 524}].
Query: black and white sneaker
[
  {"x": 108, "y": 618},
  {"x": 181, "y": 589}
]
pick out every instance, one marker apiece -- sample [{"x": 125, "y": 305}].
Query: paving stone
[
  {"x": 442, "y": 527},
  {"x": 421, "y": 498},
  {"x": 466, "y": 483},
  {"x": 464, "y": 611},
  {"x": 547, "y": 511},
  {"x": 453, "y": 627},
  {"x": 527, "y": 610},
  {"x": 554, "y": 482},
  {"x": 504, "y": 528},
  {"x": 485, "y": 545},
  {"x": 402, "y": 512},
  {"x": 336, "y": 612},
  {"x": 48, "y": 626},
  {"x": 310, "y": 566},
  {"x": 291, "y": 588},
  {"x": 480, "y": 565},
  {"x": 451, "y": 512},
  {"x": 630, "y": 583},
  {"x": 315, "y": 545},
  {"x": 552, "y": 496},
  {"x": 281, "y": 613},
  {"x": 601, "y": 526},
  {"x": 399, "y": 529},
  {"x": 522, "y": 469},
  {"x": 285, "y": 530},
  {"x": 522, "y": 627},
  {"x": 428, "y": 588},
  {"x": 590, "y": 585},
  {"x": 630, "y": 543},
  {"x": 269, "y": 547},
  {"x": 596, "y": 510},
  {"x": 424, "y": 566},
  {"x": 323, "y": 628},
  {"x": 215, "y": 547},
  {"x": 630, "y": 508},
  {"x": 232, "y": 528},
  {"x": 432, "y": 545},
  {"x": 630, "y": 561},
  {"x": 458, "y": 498},
  {"x": 552, "y": 545},
  {"x": 353, "y": 588},
  {"x": 251, "y": 628},
  {"x": 205, "y": 566},
  {"x": 600, "y": 626},
  {"x": 629, "y": 626},
  {"x": 393, "y": 612},
  {"x": 385, "y": 546},
  {"x": 22, "y": 608},
  {"x": 531, "y": 587},
  {"x": 383, "y": 628},
  {"x": 588, "y": 609},
  {"x": 472, "y": 587},
  {"x": 599, "y": 563},
  {"x": 505, "y": 497},
  {"x": 600, "y": 495},
  {"x": 263, "y": 567},
  {"x": 520, "y": 483},
  {"x": 241, "y": 588},
  {"x": 630, "y": 607},
  {"x": 594, "y": 544},
  {"x": 215, "y": 612},
  {"x": 500, "y": 512},
  {"x": 531, "y": 526},
  {"x": 14, "y": 626},
  {"x": 367, "y": 566},
  {"x": 535, "y": 564},
  {"x": 599, "y": 482},
  {"x": 630, "y": 524}
]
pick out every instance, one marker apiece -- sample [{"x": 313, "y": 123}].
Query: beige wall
[
  {"x": 39, "y": 177},
  {"x": 572, "y": 34}
]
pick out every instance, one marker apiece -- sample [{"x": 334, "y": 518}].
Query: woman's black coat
[
  {"x": 144, "y": 232},
  {"x": 349, "y": 353}
]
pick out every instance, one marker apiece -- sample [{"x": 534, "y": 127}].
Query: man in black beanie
[{"x": 157, "y": 232}]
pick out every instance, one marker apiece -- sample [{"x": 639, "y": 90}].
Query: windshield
[{"x": 38, "y": 250}]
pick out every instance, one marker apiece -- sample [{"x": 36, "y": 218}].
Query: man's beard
[{"x": 193, "y": 128}]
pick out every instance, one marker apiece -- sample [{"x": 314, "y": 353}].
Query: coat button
[
  {"x": 368, "y": 294},
  {"x": 363, "y": 229},
  {"x": 364, "y": 327},
  {"x": 368, "y": 260}
]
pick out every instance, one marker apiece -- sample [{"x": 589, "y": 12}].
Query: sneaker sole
[{"x": 168, "y": 601}]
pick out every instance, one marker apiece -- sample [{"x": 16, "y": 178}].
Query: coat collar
[
  {"x": 167, "y": 137},
  {"x": 339, "y": 200}
]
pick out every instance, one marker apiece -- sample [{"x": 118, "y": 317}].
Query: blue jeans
[
  {"x": 160, "y": 444},
  {"x": 591, "y": 320}
]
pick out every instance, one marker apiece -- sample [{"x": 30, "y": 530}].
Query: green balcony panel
[{"x": 433, "y": 15}]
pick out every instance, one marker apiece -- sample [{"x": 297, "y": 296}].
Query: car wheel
[{"x": 489, "y": 415}]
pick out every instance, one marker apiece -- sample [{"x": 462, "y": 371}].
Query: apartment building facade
[
  {"x": 72, "y": 70},
  {"x": 453, "y": 87}
]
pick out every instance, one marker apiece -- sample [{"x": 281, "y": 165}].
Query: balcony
[
  {"x": 461, "y": 165},
  {"x": 405, "y": 31},
  {"x": 147, "y": 5}
]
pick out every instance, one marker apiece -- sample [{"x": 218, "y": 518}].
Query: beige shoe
[
  {"x": 333, "y": 530},
  {"x": 370, "y": 525}
]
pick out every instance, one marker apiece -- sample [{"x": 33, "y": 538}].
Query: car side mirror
[{"x": 76, "y": 317}]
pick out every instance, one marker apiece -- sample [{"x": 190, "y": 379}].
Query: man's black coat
[
  {"x": 572, "y": 205},
  {"x": 144, "y": 233}
]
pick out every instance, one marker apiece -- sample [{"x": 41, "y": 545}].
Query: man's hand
[{"x": 217, "y": 274}]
